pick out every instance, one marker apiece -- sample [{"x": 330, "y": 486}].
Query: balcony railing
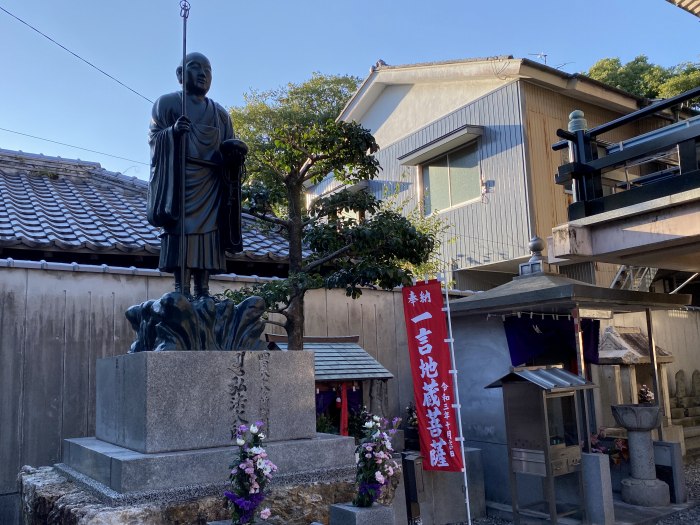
[{"x": 606, "y": 176}]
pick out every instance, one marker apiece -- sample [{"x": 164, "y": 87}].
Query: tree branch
[
  {"x": 266, "y": 218},
  {"x": 324, "y": 260}
]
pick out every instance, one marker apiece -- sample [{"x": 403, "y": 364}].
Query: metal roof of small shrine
[
  {"x": 55, "y": 204},
  {"x": 550, "y": 379},
  {"x": 342, "y": 361}
]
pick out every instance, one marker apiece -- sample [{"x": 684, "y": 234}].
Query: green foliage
[
  {"x": 277, "y": 293},
  {"x": 642, "y": 78},
  {"x": 434, "y": 226},
  {"x": 294, "y": 126},
  {"x": 342, "y": 240},
  {"x": 325, "y": 425},
  {"x": 356, "y": 423}
]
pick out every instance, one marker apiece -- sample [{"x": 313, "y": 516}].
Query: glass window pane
[
  {"x": 464, "y": 175},
  {"x": 436, "y": 192}
]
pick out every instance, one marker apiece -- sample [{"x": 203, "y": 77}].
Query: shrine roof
[
  {"x": 555, "y": 294},
  {"x": 336, "y": 359}
]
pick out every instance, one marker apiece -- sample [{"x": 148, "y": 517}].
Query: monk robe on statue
[{"x": 213, "y": 164}]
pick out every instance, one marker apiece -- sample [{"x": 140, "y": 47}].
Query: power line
[
  {"x": 71, "y": 146},
  {"x": 76, "y": 55}
]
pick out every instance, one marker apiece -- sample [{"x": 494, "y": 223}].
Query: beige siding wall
[
  {"x": 544, "y": 112},
  {"x": 54, "y": 325}
]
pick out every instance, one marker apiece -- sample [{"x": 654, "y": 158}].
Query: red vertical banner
[
  {"x": 426, "y": 328},
  {"x": 343, "y": 409}
]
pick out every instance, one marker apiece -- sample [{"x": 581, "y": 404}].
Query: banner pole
[{"x": 457, "y": 405}]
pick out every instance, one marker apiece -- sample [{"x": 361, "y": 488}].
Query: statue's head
[{"x": 198, "y": 73}]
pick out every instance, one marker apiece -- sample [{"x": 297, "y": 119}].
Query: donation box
[{"x": 544, "y": 432}]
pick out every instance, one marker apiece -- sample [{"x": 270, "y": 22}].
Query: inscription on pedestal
[{"x": 166, "y": 401}]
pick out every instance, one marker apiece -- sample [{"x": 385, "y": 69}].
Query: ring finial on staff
[{"x": 184, "y": 8}]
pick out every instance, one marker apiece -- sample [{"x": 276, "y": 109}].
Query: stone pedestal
[
  {"x": 597, "y": 488},
  {"x": 154, "y": 402},
  {"x": 164, "y": 420},
  {"x": 347, "y": 514},
  {"x": 642, "y": 488}
]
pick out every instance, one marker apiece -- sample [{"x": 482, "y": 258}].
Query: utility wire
[
  {"x": 71, "y": 146},
  {"x": 77, "y": 56}
]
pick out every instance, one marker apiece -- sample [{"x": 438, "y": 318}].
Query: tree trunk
[
  {"x": 295, "y": 323},
  {"x": 295, "y": 311}
]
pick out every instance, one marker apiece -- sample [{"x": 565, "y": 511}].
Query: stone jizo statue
[{"x": 214, "y": 160}]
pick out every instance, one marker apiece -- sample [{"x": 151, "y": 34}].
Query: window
[{"x": 451, "y": 179}]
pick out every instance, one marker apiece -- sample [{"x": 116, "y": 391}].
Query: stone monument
[
  {"x": 164, "y": 413},
  {"x": 642, "y": 488}
]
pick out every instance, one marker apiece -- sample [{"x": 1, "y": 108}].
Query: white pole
[{"x": 457, "y": 406}]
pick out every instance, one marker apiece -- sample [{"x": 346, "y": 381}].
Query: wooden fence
[{"x": 55, "y": 324}]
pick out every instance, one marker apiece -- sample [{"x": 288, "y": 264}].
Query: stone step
[
  {"x": 691, "y": 431},
  {"x": 120, "y": 474},
  {"x": 685, "y": 422},
  {"x": 677, "y": 413}
]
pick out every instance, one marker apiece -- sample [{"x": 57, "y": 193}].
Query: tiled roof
[
  {"x": 56, "y": 204},
  {"x": 343, "y": 362}
]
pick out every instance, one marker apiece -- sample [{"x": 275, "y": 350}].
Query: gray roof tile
[
  {"x": 70, "y": 205},
  {"x": 343, "y": 362}
]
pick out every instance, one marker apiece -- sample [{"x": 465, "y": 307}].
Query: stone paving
[{"x": 689, "y": 516}]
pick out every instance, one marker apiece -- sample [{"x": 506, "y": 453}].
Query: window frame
[{"x": 476, "y": 144}]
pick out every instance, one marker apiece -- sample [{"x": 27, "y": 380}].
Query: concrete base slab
[
  {"x": 347, "y": 514},
  {"x": 117, "y": 473},
  {"x": 10, "y": 508},
  {"x": 625, "y": 514},
  {"x": 645, "y": 492}
]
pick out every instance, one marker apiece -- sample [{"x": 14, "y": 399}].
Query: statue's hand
[
  {"x": 233, "y": 151},
  {"x": 182, "y": 125}
]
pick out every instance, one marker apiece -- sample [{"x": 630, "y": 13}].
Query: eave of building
[
  {"x": 692, "y": 6},
  {"x": 660, "y": 233},
  {"x": 504, "y": 67}
]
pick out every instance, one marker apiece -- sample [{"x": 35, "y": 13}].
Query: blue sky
[{"x": 47, "y": 92}]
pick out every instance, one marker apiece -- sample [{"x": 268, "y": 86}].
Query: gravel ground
[
  {"x": 692, "y": 482},
  {"x": 690, "y": 516}
]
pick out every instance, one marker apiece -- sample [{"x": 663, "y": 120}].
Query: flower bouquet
[
  {"x": 645, "y": 395},
  {"x": 615, "y": 448},
  {"x": 375, "y": 466},
  {"x": 250, "y": 473}
]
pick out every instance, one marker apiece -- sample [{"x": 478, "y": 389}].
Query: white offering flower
[
  {"x": 369, "y": 424},
  {"x": 253, "y": 429},
  {"x": 377, "y": 419},
  {"x": 240, "y": 442}
]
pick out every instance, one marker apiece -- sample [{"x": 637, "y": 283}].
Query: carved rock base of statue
[
  {"x": 176, "y": 322},
  {"x": 164, "y": 420}
]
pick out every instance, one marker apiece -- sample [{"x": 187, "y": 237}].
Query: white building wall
[{"x": 402, "y": 109}]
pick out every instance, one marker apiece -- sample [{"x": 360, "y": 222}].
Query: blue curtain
[{"x": 529, "y": 339}]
